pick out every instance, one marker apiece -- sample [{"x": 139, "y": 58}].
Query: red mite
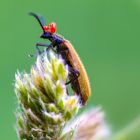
[{"x": 51, "y": 28}]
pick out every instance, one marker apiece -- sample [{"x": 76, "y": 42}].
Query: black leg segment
[{"x": 74, "y": 74}]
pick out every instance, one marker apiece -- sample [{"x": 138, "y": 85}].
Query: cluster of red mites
[{"x": 51, "y": 28}]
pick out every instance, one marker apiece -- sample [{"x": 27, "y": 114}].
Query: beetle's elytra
[{"x": 78, "y": 77}]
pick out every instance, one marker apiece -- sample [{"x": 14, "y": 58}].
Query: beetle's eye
[
  {"x": 52, "y": 27},
  {"x": 46, "y": 28}
]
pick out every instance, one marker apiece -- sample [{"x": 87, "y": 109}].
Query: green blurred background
[{"x": 105, "y": 34}]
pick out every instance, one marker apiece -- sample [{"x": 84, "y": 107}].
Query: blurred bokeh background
[{"x": 105, "y": 34}]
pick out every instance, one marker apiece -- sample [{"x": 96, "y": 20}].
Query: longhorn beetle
[{"x": 79, "y": 79}]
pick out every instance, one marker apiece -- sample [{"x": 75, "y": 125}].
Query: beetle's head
[
  {"x": 46, "y": 35},
  {"x": 47, "y": 30}
]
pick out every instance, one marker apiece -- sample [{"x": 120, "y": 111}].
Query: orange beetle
[{"x": 77, "y": 74}]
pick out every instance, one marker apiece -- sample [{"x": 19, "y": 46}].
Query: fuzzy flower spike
[{"x": 44, "y": 107}]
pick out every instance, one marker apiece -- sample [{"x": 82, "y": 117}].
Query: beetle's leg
[
  {"x": 38, "y": 45},
  {"x": 38, "y": 50},
  {"x": 72, "y": 70},
  {"x": 64, "y": 53},
  {"x": 75, "y": 73},
  {"x": 75, "y": 83},
  {"x": 47, "y": 46}
]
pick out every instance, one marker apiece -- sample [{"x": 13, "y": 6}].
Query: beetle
[{"x": 78, "y": 77}]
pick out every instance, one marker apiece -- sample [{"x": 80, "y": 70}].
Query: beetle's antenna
[{"x": 38, "y": 19}]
